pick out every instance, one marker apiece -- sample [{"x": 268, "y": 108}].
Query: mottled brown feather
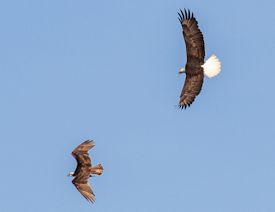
[
  {"x": 81, "y": 154},
  {"x": 82, "y": 185}
]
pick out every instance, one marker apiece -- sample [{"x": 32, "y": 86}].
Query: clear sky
[{"x": 107, "y": 70}]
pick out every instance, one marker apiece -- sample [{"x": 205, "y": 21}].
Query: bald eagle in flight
[
  {"x": 196, "y": 67},
  {"x": 84, "y": 170}
]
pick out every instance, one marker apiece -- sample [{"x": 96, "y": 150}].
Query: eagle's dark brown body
[{"x": 195, "y": 58}]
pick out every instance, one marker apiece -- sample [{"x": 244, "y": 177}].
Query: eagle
[
  {"x": 196, "y": 67},
  {"x": 84, "y": 170}
]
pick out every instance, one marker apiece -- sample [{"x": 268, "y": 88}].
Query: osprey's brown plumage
[
  {"x": 195, "y": 58},
  {"x": 84, "y": 170}
]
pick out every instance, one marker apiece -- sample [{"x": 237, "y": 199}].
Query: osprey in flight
[
  {"x": 196, "y": 67},
  {"x": 84, "y": 170}
]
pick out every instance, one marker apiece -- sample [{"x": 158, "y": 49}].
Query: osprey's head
[
  {"x": 70, "y": 174},
  {"x": 182, "y": 70}
]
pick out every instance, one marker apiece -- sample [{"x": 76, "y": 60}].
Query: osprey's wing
[
  {"x": 193, "y": 38},
  {"x": 191, "y": 88},
  {"x": 82, "y": 185},
  {"x": 81, "y": 154}
]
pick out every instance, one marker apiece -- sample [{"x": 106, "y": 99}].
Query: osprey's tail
[
  {"x": 212, "y": 66},
  {"x": 98, "y": 169}
]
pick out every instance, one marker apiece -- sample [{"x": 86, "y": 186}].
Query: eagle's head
[
  {"x": 70, "y": 174},
  {"x": 182, "y": 70}
]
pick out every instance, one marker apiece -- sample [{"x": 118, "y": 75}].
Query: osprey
[
  {"x": 84, "y": 170},
  {"x": 196, "y": 67}
]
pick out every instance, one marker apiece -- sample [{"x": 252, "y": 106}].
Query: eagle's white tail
[{"x": 212, "y": 66}]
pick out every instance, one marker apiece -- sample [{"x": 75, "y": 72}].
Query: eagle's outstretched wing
[
  {"x": 192, "y": 87},
  {"x": 195, "y": 58},
  {"x": 82, "y": 185},
  {"x": 81, "y": 154},
  {"x": 193, "y": 38}
]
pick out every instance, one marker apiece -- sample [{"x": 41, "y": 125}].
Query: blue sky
[{"x": 107, "y": 70}]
